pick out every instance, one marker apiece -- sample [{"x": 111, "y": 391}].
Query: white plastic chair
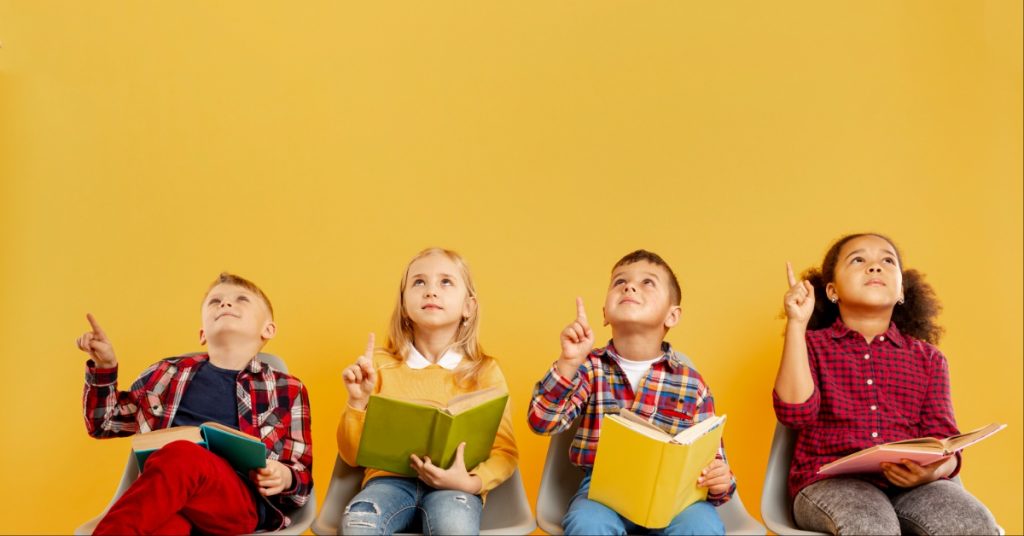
[
  {"x": 507, "y": 510},
  {"x": 301, "y": 518},
  {"x": 776, "y": 507},
  {"x": 561, "y": 479}
]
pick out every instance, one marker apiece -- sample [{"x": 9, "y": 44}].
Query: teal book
[
  {"x": 241, "y": 450},
  {"x": 396, "y": 428}
]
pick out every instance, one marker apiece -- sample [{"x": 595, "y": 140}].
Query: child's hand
[
  {"x": 577, "y": 341},
  {"x": 361, "y": 378},
  {"x": 272, "y": 479},
  {"x": 97, "y": 345},
  {"x": 717, "y": 477},
  {"x": 455, "y": 477},
  {"x": 909, "y": 474},
  {"x": 799, "y": 299}
]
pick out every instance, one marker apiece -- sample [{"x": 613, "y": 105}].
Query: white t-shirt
[{"x": 635, "y": 370}]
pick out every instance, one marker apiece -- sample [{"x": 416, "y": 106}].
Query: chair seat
[{"x": 507, "y": 510}]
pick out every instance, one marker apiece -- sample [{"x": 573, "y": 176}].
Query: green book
[
  {"x": 396, "y": 428},
  {"x": 241, "y": 450}
]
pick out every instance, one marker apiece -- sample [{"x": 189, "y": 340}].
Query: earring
[
  {"x": 900, "y": 301},
  {"x": 834, "y": 299}
]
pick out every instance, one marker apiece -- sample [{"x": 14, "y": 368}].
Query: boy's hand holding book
[
  {"x": 361, "y": 378},
  {"x": 97, "y": 345},
  {"x": 717, "y": 477},
  {"x": 455, "y": 477},
  {"x": 272, "y": 479},
  {"x": 577, "y": 341}
]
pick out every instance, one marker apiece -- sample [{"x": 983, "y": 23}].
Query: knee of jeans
[{"x": 365, "y": 514}]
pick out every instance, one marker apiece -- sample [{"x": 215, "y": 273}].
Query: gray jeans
[{"x": 852, "y": 506}]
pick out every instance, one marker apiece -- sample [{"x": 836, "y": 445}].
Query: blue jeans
[
  {"x": 588, "y": 517},
  {"x": 394, "y": 504}
]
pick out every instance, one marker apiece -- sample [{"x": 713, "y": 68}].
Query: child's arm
[
  {"x": 559, "y": 396},
  {"x": 794, "y": 383},
  {"x": 795, "y": 396},
  {"x": 107, "y": 411},
  {"x": 361, "y": 381},
  {"x": 289, "y": 470}
]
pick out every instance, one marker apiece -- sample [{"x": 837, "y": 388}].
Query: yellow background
[{"x": 145, "y": 147}]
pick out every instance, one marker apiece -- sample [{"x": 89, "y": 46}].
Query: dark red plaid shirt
[
  {"x": 272, "y": 405},
  {"x": 895, "y": 388}
]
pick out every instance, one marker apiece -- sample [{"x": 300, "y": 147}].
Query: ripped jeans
[{"x": 394, "y": 504}]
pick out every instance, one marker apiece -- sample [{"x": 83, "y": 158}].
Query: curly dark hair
[{"x": 915, "y": 317}]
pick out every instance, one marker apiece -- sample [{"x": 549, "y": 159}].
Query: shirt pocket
[{"x": 674, "y": 413}]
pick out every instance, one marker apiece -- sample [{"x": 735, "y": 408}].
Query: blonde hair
[
  {"x": 226, "y": 278},
  {"x": 400, "y": 330}
]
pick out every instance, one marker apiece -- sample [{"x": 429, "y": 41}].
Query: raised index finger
[
  {"x": 368, "y": 354},
  {"x": 789, "y": 273},
  {"x": 95, "y": 325},
  {"x": 581, "y": 312}
]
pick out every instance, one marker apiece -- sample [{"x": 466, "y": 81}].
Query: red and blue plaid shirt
[
  {"x": 671, "y": 394},
  {"x": 272, "y": 405},
  {"x": 896, "y": 387}
]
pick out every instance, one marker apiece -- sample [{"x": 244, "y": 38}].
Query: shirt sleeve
[
  {"x": 504, "y": 454},
  {"x": 802, "y": 414},
  {"x": 705, "y": 410},
  {"x": 937, "y": 419},
  {"x": 557, "y": 400},
  {"x": 107, "y": 411},
  {"x": 296, "y": 447}
]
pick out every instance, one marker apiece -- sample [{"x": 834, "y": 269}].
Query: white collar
[{"x": 416, "y": 361}]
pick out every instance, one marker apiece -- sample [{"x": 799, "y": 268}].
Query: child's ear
[
  {"x": 830, "y": 291},
  {"x": 673, "y": 316},
  {"x": 604, "y": 316},
  {"x": 469, "y": 308},
  {"x": 202, "y": 337},
  {"x": 269, "y": 330}
]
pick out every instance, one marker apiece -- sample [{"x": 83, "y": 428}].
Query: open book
[
  {"x": 647, "y": 475},
  {"x": 923, "y": 450},
  {"x": 396, "y": 428},
  {"x": 241, "y": 450}
]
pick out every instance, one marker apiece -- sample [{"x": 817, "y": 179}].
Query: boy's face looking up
[
  {"x": 639, "y": 298},
  {"x": 234, "y": 314}
]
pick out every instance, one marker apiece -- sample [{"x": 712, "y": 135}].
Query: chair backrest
[
  {"x": 561, "y": 479},
  {"x": 301, "y": 518},
  {"x": 507, "y": 510},
  {"x": 776, "y": 508}
]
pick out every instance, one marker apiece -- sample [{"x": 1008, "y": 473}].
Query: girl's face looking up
[
  {"x": 435, "y": 295},
  {"x": 867, "y": 274}
]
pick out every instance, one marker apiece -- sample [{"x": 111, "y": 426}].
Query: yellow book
[{"x": 647, "y": 475}]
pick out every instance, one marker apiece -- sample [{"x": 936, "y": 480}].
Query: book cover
[
  {"x": 647, "y": 475},
  {"x": 396, "y": 428},
  {"x": 922, "y": 450},
  {"x": 241, "y": 450}
]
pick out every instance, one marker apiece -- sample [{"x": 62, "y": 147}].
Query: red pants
[{"x": 183, "y": 486}]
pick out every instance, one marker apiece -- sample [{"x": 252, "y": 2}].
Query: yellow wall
[{"x": 145, "y": 147}]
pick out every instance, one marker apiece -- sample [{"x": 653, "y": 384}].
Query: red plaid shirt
[
  {"x": 895, "y": 388},
  {"x": 272, "y": 405},
  {"x": 672, "y": 395}
]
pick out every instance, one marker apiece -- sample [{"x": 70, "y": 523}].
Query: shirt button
[
  {"x": 874, "y": 407},
  {"x": 871, "y": 382},
  {"x": 867, "y": 356},
  {"x": 874, "y": 434},
  {"x": 881, "y": 338}
]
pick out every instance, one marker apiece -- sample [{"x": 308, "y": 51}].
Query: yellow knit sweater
[{"x": 434, "y": 383}]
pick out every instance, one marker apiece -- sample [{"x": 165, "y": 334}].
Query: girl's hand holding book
[
  {"x": 455, "y": 477},
  {"x": 910, "y": 474},
  {"x": 361, "y": 378}
]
